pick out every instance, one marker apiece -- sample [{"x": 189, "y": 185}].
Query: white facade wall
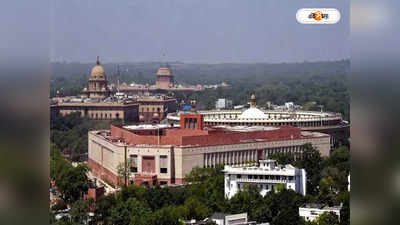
[
  {"x": 265, "y": 177},
  {"x": 310, "y": 214}
]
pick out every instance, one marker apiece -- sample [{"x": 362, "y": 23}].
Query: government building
[
  {"x": 165, "y": 153},
  {"x": 98, "y": 102},
  {"x": 95, "y": 102},
  {"x": 165, "y": 83},
  {"x": 267, "y": 176},
  {"x": 324, "y": 122},
  {"x": 155, "y": 108}
]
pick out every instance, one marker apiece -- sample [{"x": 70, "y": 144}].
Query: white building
[
  {"x": 348, "y": 180},
  {"x": 267, "y": 176},
  {"x": 289, "y": 105},
  {"x": 311, "y": 211},
  {"x": 223, "y": 103},
  {"x": 224, "y": 219}
]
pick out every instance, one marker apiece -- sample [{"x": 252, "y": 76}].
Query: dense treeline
[
  {"x": 325, "y": 83},
  {"x": 204, "y": 195},
  {"x": 70, "y": 133}
]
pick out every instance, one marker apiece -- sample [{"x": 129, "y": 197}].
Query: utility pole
[{"x": 126, "y": 164}]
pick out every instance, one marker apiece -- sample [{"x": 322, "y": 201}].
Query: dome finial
[
  {"x": 253, "y": 101},
  {"x": 98, "y": 60}
]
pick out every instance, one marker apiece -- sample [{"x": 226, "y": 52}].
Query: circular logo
[{"x": 318, "y": 15}]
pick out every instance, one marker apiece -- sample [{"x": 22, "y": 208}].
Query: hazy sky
[{"x": 196, "y": 31}]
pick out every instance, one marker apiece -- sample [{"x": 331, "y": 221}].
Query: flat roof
[
  {"x": 149, "y": 126},
  {"x": 246, "y": 128}
]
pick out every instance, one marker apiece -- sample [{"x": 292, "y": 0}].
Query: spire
[{"x": 97, "y": 60}]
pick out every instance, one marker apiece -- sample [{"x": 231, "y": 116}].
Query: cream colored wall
[
  {"x": 104, "y": 153},
  {"x": 156, "y": 152}
]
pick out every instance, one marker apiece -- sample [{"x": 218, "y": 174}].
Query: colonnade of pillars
[
  {"x": 245, "y": 156},
  {"x": 298, "y": 124}
]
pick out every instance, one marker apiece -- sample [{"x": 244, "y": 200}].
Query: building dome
[
  {"x": 253, "y": 113},
  {"x": 97, "y": 70}
]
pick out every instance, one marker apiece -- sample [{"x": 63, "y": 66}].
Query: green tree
[
  {"x": 80, "y": 211},
  {"x": 103, "y": 208},
  {"x": 73, "y": 182},
  {"x": 130, "y": 212},
  {"x": 171, "y": 215},
  {"x": 283, "y": 158},
  {"x": 327, "y": 218},
  {"x": 124, "y": 171},
  {"x": 207, "y": 185},
  {"x": 249, "y": 200},
  {"x": 195, "y": 209},
  {"x": 311, "y": 161}
]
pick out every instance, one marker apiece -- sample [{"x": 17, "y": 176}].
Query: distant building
[
  {"x": 165, "y": 153},
  {"x": 97, "y": 103},
  {"x": 226, "y": 219},
  {"x": 97, "y": 85},
  {"x": 223, "y": 103},
  {"x": 165, "y": 83},
  {"x": 325, "y": 122},
  {"x": 311, "y": 211},
  {"x": 155, "y": 109},
  {"x": 165, "y": 78},
  {"x": 100, "y": 110},
  {"x": 267, "y": 176}
]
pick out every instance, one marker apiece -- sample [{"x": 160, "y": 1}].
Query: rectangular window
[
  {"x": 134, "y": 166},
  {"x": 239, "y": 176},
  {"x": 163, "y": 164}
]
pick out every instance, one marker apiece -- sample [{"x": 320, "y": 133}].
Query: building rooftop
[
  {"x": 148, "y": 126},
  {"x": 268, "y": 165},
  {"x": 166, "y": 135},
  {"x": 320, "y": 206}
]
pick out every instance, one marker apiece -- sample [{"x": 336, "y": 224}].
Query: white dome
[{"x": 253, "y": 113}]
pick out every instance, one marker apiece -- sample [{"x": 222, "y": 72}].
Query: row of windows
[
  {"x": 301, "y": 124},
  {"x": 103, "y": 116},
  {"x": 134, "y": 169},
  {"x": 260, "y": 186},
  {"x": 148, "y": 109},
  {"x": 266, "y": 177},
  {"x": 163, "y": 163}
]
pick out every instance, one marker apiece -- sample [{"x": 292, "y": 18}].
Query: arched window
[{"x": 117, "y": 115}]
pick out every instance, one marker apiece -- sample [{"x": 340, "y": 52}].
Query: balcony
[{"x": 269, "y": 181}]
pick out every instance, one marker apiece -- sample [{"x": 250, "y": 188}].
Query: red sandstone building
[
  {"x": 165, "y": 83},
  {"x": 155, "y": 109},
  {"x": 164, "y": 154}
]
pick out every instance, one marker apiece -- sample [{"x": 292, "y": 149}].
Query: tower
[
  {"x": 165, "y": 78},
  {"x": 97, "y": 83}
]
